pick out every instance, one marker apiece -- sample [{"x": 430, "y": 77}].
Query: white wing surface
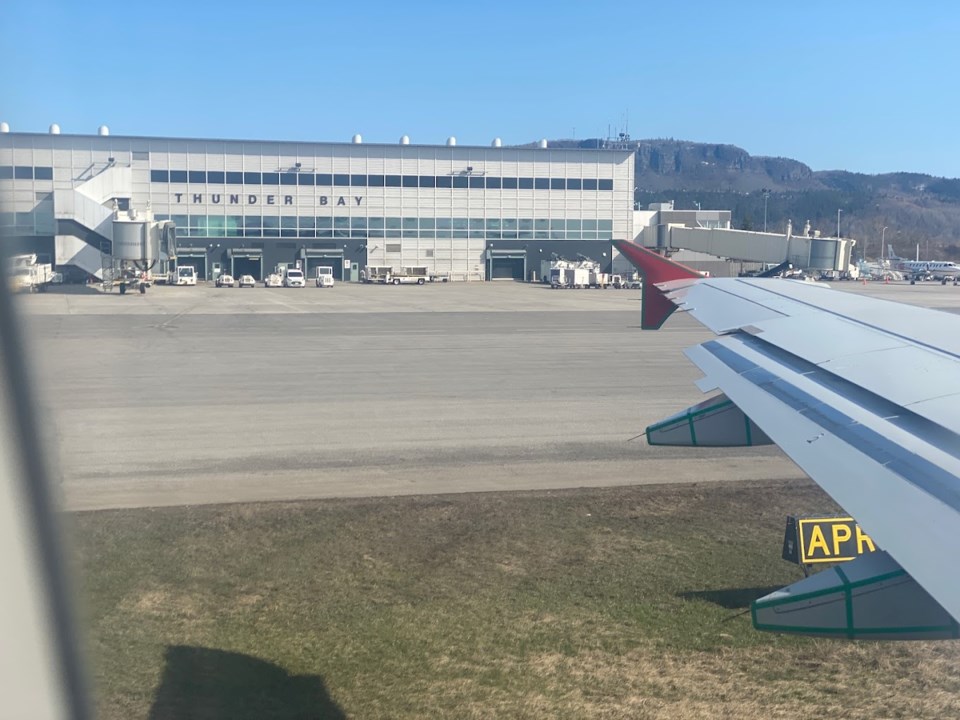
[{"x": 864, "y": 395}]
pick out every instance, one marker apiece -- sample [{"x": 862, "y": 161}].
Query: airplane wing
[{"x": 864, "y": 395}]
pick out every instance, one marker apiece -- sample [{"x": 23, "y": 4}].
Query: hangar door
[
  {"x": 246, "y": 261},
  {"x": 195, "y": 257},
  {"x": 507, "y": 264},
  {"x": 313, "y": 259}
]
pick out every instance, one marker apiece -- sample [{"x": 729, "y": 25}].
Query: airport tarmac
[{"x": 205, "y": 395}]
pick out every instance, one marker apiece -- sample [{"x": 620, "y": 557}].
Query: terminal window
[{"x": 344, "y": 180}]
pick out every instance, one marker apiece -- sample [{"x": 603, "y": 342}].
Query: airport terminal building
[{"x": 244, "y": 207}]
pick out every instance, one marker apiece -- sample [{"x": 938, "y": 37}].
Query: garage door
[
  {"x": 198, "y": 262},
  {"x": 252, "y": 265},
  {"x": 334, "y": 261},
  {"x": 507, "y": 267}
]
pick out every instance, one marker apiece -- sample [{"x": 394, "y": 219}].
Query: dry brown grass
[{"x": 617, "y": 603}]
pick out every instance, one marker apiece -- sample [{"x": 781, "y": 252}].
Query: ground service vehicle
[
  {"x": 324, "y": 277},
  {"x": 579, "y": 277},
  {"x": 408, "y": 276},
  {"x": 273, "y": 280},
  {"x": 570, "y": 277},
  {"x": 225, "y": 280},
  {"x": 183, "y": 275},
  {"x": 293, "y": 277},
  {"x": 247, "y": 281},
  {"x": 27, "y": 275}
]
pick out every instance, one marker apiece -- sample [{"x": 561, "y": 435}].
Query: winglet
[{"x": 656, "y": 307}]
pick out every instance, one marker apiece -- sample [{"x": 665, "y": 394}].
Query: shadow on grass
[
  {"x": 216, "y": 685},
  {"x": 730, "y": 598}
]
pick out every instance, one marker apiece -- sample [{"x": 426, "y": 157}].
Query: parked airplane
[
  {"x": 921, "y": 268},
  {"x": 864, "y": 395}
]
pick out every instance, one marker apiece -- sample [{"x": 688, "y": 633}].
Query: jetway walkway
[{"x": 813, "y": 253}]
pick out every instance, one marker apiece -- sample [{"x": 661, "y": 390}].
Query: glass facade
[
  {"x": 458, "y": 180},
  {"x": 310, "y": 226}
]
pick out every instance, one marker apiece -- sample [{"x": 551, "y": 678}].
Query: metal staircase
[{"x": 85, "y": 224}]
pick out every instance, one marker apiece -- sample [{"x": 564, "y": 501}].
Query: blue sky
[{"x": 863, "y": 86}]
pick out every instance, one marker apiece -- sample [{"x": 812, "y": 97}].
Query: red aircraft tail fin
[{"x": 656, "y": 307}]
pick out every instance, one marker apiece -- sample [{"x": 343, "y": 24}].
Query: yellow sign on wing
[{"x": 831, "y": 540}]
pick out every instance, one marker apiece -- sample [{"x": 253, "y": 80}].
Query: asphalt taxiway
[{"x": 207, "y": 395}]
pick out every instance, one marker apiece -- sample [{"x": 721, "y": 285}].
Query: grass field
[{"x": 613, "y": 603}]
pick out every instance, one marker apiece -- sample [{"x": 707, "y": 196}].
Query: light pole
[
  {"x": 882, "y": 233},
  {"x": 766, "y": 195},
  {"x": 838, "y": 221}
]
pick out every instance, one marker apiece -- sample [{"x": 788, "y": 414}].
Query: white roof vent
[
  {"x": 4, "y": 127},
  {"x": 497, "y": 142},
  {"x": 103, "y": 130},
  {"x": 542, "y": 144},
  {"x": 357, "y": 139},
  {"x": 54, "y": 129},
  {"x": 405, "y": 140},
  {"x": 451, "y": 141}
]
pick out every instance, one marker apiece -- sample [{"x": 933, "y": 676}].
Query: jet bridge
[{"x": 812, "y": 253}]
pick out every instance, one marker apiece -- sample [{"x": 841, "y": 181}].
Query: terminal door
[
  {"x": 507, "y": 265},
  {"x": 245, "y": 262},
  {"x": 199, "y": 263},
  {"x": 313, "y": 259}
]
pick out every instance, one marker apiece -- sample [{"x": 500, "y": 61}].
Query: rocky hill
[{"x": 916, "y": 208}]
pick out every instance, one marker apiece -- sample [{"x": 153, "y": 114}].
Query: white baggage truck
[
  {"x": 417, "y": 275},
  {"x": 27, "y": 275},
  {"x": 182, "y": 275},
  {"x": 324, "y": 276}
]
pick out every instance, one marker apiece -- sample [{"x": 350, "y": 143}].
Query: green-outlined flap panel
[
  {"x": 870, "y": 598},
  {"x": 715, "y": 422}
]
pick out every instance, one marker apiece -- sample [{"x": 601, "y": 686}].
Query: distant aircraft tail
[
  {"x": 655, "y": 269},
  {"x": 891, "y": 255}
]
